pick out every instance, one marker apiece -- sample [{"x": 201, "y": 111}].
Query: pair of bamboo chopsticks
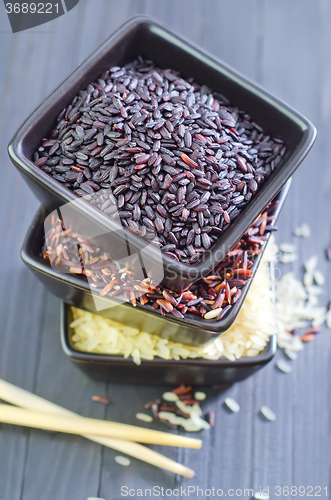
[{"x": 37, "y": 412}]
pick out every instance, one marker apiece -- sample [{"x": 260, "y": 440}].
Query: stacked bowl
[{"x": 175, "y": 184}]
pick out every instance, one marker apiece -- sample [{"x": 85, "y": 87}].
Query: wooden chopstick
[
  {"x": 81, "y": 425},
  {"x": 19, "y": 397}
]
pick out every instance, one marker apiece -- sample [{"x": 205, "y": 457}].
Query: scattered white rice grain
[
  {"x": 144, "y": 417},
  {"x": 308, "y": 279},
  {"x": 178, "y": 420},
  {"x": 287, "y": 247},
  {"x": 314, "y": 290},
  {"x": 261, "y": 496},
  {"x": 190, "y": 426},
  {"x": 169, "y": 396},
  {"x": 204, "y": 424},
  {"x": 319, "y": 277},
  {"x": 319, "y": 319},
  {"x": 184, "y": 408},
  {"x": 288, "y": 258},
  {"x": 200, "y": 396},
  {"x": 196, "y": 420},
  {"x": 232, "y": 405},
  {"x": 122, "y": 460},
  {"x": 199, "y": 422},
  {"x": 328, "y": 318},
  {"x": 267, "y": 413},
  {"x": 291, "y": 354},
  {"x": 196, "y": 409},
  {"x": 284, "y": 366},
  {"x": 166, "y": 415},
  {"x": 311, "y": 263},
  {"x": 304, "y": 230},
  {"x": 297, "y": 306}
]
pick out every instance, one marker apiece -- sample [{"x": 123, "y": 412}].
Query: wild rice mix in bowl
[
  {"x": 211, "y": 297},
  {"x": 248, "y": 336},
  {"x": 173, "y": 161}
]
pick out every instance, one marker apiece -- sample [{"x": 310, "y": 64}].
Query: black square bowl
[
  {"x": 75, "y": 290},
  {"x": 202, "y": 372},
  {"x": 153, "y": 41}
]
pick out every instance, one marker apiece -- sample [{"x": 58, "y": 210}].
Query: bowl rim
[
  {"x": 84, "y": 357},
  {"x": 262, "y": 198}
]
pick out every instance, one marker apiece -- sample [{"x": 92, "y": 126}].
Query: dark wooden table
[{"x": 286, "y": 47}]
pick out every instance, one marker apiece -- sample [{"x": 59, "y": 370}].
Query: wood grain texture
[
  {"x": 283, "y": 45},
  {"x": 309, "y": 395}
]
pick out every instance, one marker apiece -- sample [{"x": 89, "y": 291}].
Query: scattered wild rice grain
[
  {"x": 101, "y": 399},
  {"x": 122, "y": 460},
  {"x": 283, "y": 366},
  {"x": 211, "y": 418},
  {"x": 182, "y": 389},
  {"x": 232, "y": 405},
  {"x": 311, "y": 330},
  {"x": 267, "y": 413},
  {"x": 308, "y": 337}
]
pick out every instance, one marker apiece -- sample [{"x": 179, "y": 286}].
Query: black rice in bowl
[{"x": 175, "y": 159}]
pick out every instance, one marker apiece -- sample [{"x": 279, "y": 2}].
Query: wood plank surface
[{"x": 282, "y": 45}]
